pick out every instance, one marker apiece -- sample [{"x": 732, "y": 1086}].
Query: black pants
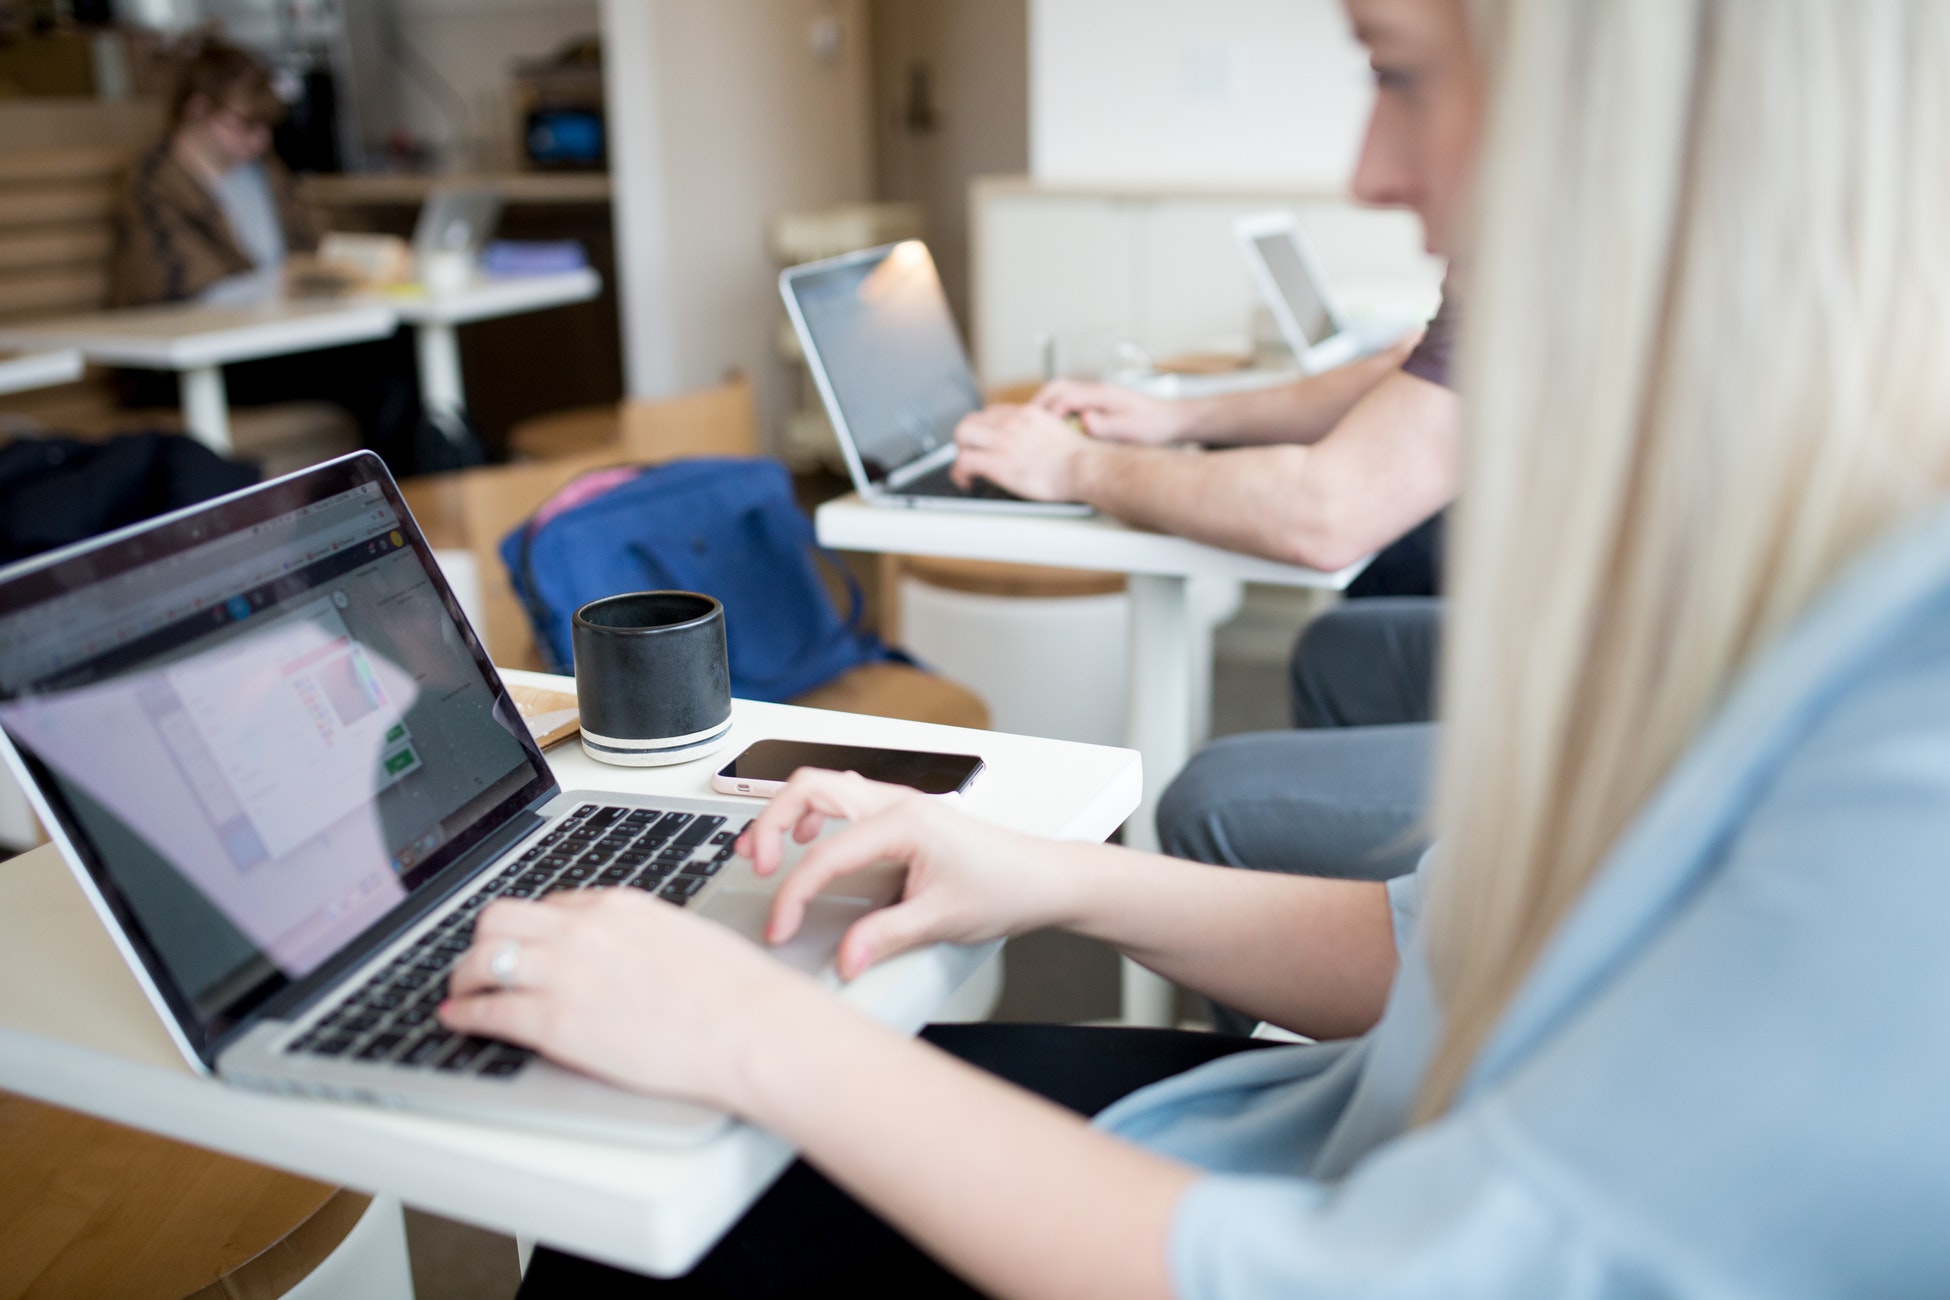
[{"x": 806, "y": 1237}]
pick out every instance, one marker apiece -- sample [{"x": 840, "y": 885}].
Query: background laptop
[
  {"x": 1296, "y": 291},
  {"x": 883, "y": 348},
  {"x": 287, "y": 777}
]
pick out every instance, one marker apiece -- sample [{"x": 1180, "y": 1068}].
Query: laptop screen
[
  {"x": 262, "y": 726},
  {"x": 1288, "y": 268},
  {"x": 881, "y": 331}
]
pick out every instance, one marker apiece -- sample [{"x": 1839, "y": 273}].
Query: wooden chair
[
  {"x": 474, "y": 509},
  {"x": 91, "y": 1209},
  {"x": 721, "y": 421},
  {"x": 57, "y": 201}
]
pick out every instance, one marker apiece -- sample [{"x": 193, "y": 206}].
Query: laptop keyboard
[
  {"x": 939, "y": 483},
  {"x": 390, "y": 1018}
]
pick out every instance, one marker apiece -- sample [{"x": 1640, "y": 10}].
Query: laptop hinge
[
  {"x": 293, "y": 1000},
  {"x": 914, "y": 469}
]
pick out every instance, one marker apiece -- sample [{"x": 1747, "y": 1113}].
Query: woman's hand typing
[{"x": 967, "y": 881}]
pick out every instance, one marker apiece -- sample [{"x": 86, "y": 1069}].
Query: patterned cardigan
[{"x": 172, "y": 240}]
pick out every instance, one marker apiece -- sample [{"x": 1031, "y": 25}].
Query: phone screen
[{"x": 930, "y": 773}]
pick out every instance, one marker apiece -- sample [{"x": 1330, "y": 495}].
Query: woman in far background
[{"x": 208, "y": 214}]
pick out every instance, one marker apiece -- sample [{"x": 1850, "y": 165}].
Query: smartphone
[{"x": 764, "y": 768}]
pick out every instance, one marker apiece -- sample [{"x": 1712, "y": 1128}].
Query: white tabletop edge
[
  {"x": 1095, "y": 542},
  {"x": 39, "y": 370},
  {"x": 645, "y": 1208},
  {"x": 188, "y": 336}
]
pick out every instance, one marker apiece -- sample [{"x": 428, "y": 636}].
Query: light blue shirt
[
  {"x": 1727, "y": 1075},
  {"x": 244, "y": 195}
]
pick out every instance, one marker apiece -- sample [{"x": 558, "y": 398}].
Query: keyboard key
[
  {"x": 702, "y": 870},
  {"x": 466, "y": 1054},
  {"x": 505, "y": 1061},
  {"x": 699, "y": 830},
  {"x": 671, "y": 823},
  {"x": 642, "y": 816},
  {"x": 520, "y": 891},
  {"x": 614, "y": 876},
  {"x": 578, "y": 872},
  {"x": 724, "y": 837},
  {"x": 333, "y": 1044},
  {"x": 632, "y": 859},
  {"x": 426, "y": 1047},
  {"x": 682, "y": 887},
  {"x": 380, "y": 1046},
  {"x": 412, "y": 1016},
  {"x": 360, "y": 1022}
]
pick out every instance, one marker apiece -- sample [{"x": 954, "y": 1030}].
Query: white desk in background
[
  {"x": 76, "y": 1031},
  {"x": 39, "y": 370},
  {"x": 434, "y": 317},
  {"x": 1166, "y": 677},
  {"x": 197, "y": 341}
]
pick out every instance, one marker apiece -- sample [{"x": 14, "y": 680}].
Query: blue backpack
[{"x": 725, "y": 527}]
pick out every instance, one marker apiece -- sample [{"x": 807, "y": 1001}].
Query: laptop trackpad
[{"x": 813, "y": 948}]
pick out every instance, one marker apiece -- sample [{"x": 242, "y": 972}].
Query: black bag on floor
[{"x": 54, "y": 491}]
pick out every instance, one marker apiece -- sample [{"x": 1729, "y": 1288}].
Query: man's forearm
[
  {"x": 1391, "y": 463},
  {"x": 1301, "y": 412}
]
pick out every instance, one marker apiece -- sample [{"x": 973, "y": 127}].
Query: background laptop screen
[
  {"x": 1289, "y": 272},
  {"x": 891, "y": 354},
  {"x": 262, "y": 740}
]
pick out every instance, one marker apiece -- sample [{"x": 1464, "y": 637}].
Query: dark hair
[{"x": 228, "y": 77}]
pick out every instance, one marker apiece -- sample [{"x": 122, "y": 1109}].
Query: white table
[
  {"x": 39, "y": 370},
  {"x": 197, "y": 341},
  {"x": 75, "y": 1030},
  {"x": 434, "y": 317},
  {"x": 1167, "y": 674}
]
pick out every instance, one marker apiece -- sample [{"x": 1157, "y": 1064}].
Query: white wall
[
  {"x": 721, "y": 114},
  {"x": 472, "y": 45},
  {"x": 1195, "y": 92}
]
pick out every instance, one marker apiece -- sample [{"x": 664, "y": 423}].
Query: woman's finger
[
  {"x": 514, "y": 1017},
  {"x": 809, "y": 791},
  {"x": 886, "y": 932},
  {"x": 516, "y": 918},
  {"x": 863, "y": 844},
  {"x": 524, "y": 964}
]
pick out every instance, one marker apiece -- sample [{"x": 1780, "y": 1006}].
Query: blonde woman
[{"x": 1672, "y": 1021}]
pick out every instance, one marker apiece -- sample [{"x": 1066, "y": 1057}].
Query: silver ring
[{"x": 502, "y": 965}]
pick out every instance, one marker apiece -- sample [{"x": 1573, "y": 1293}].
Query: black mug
[{"x": 652, "y": 678}]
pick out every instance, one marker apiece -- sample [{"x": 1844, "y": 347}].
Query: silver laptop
[
  {"x": 288, "y": 778},
  {"x": 456, "y": 220},
  {"x": 883, "y": 348},
  {"x": 1296, "y": 291}
]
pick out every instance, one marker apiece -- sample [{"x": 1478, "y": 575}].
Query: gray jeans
[{"x": 1343, "y": 795}]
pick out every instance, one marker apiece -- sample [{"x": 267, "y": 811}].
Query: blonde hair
[{"x": 1711, "y": 284}]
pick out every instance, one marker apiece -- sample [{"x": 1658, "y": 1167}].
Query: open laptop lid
[
  {"x": 262, "y": 728},
  {"x": 456, "y": 220},
  {"x": 883, "y": 348},
  {"x": 1295, "y": 290}
]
